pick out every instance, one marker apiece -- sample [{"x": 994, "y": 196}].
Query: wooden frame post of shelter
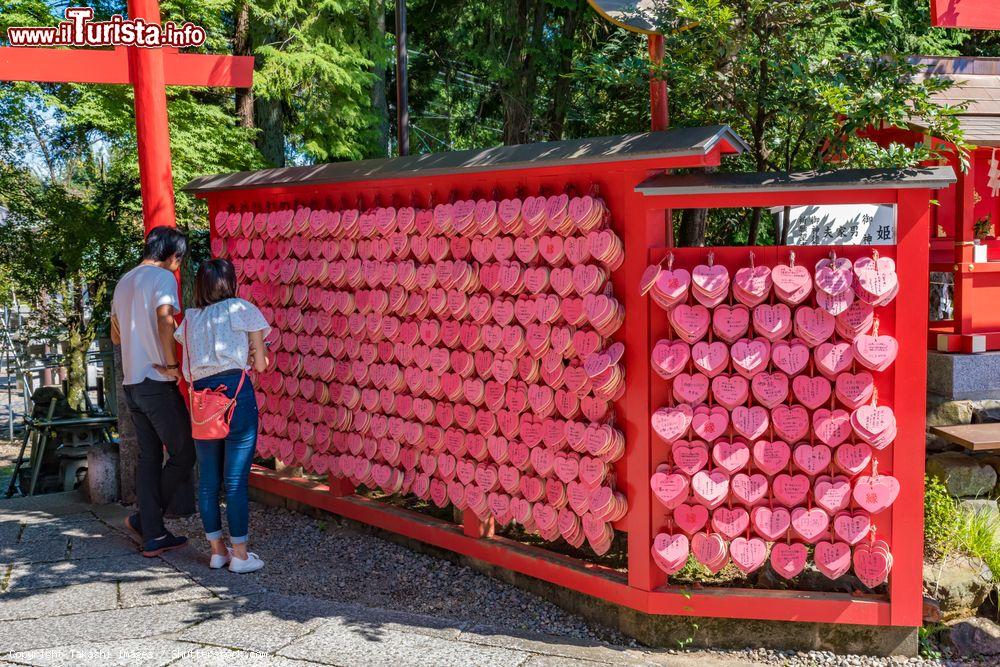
[{"x": 468, "y": 329}]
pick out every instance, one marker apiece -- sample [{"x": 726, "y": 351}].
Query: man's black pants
[{"x": 161, "y": 418}]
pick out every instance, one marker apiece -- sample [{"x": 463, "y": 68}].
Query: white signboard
[{"x": 841, "y": 224}]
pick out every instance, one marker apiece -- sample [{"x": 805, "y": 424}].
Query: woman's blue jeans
[{"x": 226, "y": 462}]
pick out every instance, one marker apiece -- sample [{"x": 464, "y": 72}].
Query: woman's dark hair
[
  {"x": 164, "y": 242},
  {"x": 216, "y": 281}
]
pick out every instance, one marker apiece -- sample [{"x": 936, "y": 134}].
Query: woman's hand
[{"x": 174, "y": 373}]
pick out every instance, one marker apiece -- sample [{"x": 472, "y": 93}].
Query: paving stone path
[{"x": 74, "y": 591}]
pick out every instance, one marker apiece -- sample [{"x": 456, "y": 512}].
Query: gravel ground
[{"x": 307, "y": 556}]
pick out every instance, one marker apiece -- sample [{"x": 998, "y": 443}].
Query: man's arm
[
  {"x": 116, "y": 331},
  {"x": 165, "y": 327}
]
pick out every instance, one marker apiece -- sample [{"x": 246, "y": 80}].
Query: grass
[
  {"x": 948, "y": 529},
  {"x": 977, "y": 535}
]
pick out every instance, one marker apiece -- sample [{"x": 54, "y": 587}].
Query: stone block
[
  {"x": 975, "y": 637},
  {"x": 963, "y": 475},
  {"x": 256, "y": 623},
  {"x": 64, "y": 573},
  {"x": 112, "y": 625},
  {"x": 964, "y": 376},
  {"x": 10, "y": 531},
  {"x": 45, "y": 507},
  {"x": 102, "y": 474},
  {"x": 39, "y": 603},
  {"x": 932, "y": 611},
  {"x": 993, "y": 461},
  {"x": 158, "y": 589},
  {"x": 948, "y": 413},
  {"x": 959, "y": 583},
  {"x": 82, "y": 526},
  {"x": 39, "y": 551},
  {"x": 560, "y": 647},
  {"x": 127, "y": 653},
  {"x": 216, "y": 656},
  {"x": 335, "y": 643},
  {"x": 103, "y": 546},
  {"x": 985, "y": 506}
]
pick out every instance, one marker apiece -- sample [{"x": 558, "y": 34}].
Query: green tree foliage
[
  {"x": 314, "y": 78},
  {"x": 70, "y": 185},
  {"x": 801, "y": 80}
]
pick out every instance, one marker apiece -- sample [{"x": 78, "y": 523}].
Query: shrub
[{"x": 941, "y": 518}]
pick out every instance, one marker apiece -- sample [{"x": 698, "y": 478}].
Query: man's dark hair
[
  {"x": 163, "y": 243},
  {"x": 216, "y": 281}
]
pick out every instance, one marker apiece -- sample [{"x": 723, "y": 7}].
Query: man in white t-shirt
[{"x": 142, "y": 322}]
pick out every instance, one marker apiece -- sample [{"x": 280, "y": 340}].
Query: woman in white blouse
[{"x": 223, "y": 335}]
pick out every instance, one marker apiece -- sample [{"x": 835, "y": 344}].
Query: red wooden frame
[
  {"x": 641, "y": 222},
  {"x": 979, "y": 14}
]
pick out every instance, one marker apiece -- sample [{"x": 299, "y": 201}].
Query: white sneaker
[
  {"x": 218, "y": 561},
  {"x": 242, "y": 566}
]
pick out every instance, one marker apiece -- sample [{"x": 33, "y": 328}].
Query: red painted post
[
  {"x": 909, "y": 403},
  {"x": 473, "y": 526},
  {"x": 964, "y": 236},
  {"x": 152, "y": 127},
  {"x": 339, "y": 486},
  {"x": 659, "y": 114},
  {"x": 636, "y": 406}
]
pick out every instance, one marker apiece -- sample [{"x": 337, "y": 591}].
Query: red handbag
[{"x": 211, "y": 409}]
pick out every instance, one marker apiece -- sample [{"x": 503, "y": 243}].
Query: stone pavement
[{"x": 74, "y": 591}]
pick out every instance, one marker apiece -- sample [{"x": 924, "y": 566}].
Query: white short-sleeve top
[
  {"x": 218, "y": 337},
  {"x": 137, "y": 296}
]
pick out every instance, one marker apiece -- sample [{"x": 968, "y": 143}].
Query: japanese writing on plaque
[{"x": 841, "y": 224}]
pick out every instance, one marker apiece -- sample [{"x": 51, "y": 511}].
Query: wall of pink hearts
[
  {"x": 521, "y": 346},
  {"x": 459, "y": 352},
  {"x": 775, "y": 428}
]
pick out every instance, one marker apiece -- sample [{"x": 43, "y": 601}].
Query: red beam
[
  {"x": 111, "y": 66},
  {"x": 202, "y": 69},
  {"x": 63, "y": 65},
  {"x": 579, "y": 576}
]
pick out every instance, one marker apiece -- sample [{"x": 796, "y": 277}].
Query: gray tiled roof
[
  {"x": 840, "y": 179},
  {"x": 977, "y": 87},
  {"x": 689, "y": 141}
]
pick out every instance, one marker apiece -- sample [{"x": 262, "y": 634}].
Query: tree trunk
[
  {"x": 242, "y": 47},
  {"x": 563, "y": 85},
  {"x": 376, "y": 11},
  {"x": 516, "y": 119},
  {"x": 269, "y": 117},
  {"x": 694, "y": 224},
  {"x": 128, "y": 446},
  {"x": 754, "y": 234},
  {"x": 76, "y": 370},
  {"x": 75, "y": 347}
]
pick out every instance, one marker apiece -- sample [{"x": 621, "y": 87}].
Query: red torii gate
[{"x": 148, "y": 71}]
